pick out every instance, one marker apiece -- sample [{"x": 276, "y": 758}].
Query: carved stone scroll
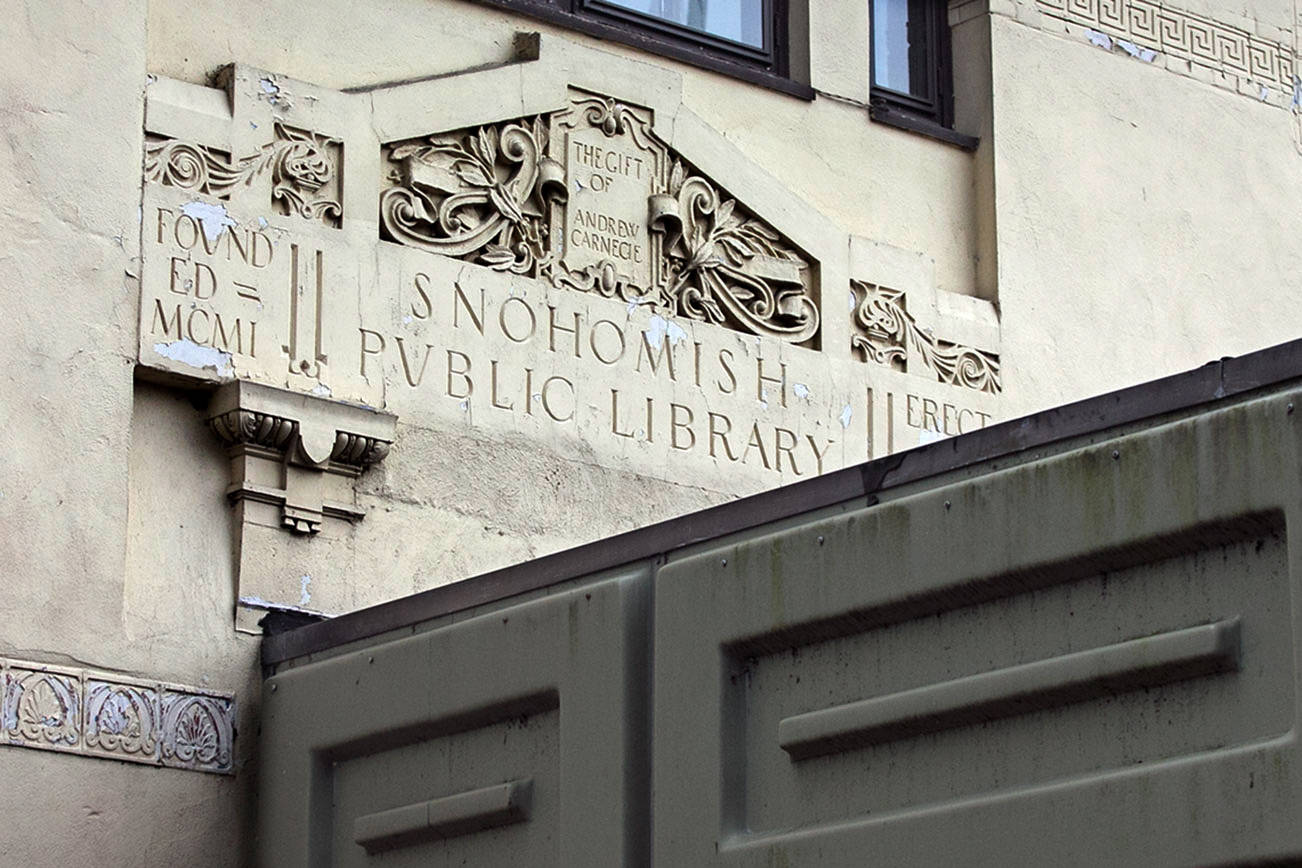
[
  {"x": 478, "y": 194},
  {"x": 887, "y": 334},
  {"x": 588, "y": 198},
  {"x": 728, "y": 267}
]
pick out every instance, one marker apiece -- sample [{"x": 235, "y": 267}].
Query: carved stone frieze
[
  {"x": 297, "y": 452},
  {"x": 113, "y": 717},
  {"x": 887, "y": 334},
  {"x": 304, "y": 168},
  {"x": 589, "y": 198}
]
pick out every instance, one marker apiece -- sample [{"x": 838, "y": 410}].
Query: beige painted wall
[
  {"x": 1144, "y": 221},
  {"x": 1141, "y": 219}
]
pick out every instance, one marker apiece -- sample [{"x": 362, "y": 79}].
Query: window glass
[
  {"x": 736, "y": 20},
  {"x": 902, "y": 46}
]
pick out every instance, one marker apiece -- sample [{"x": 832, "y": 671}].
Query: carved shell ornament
[
  {"x": 480, "y": 195},
  {"x": 728, "y": 268}
]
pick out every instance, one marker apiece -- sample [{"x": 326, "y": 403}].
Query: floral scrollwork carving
[
  {"x": 303, "y": 165},
  {"x": 302, "y": 171},
  {"x": 176, "y": 163},
  {"x": 479, "y": 194},
  {"x": 887, "y": 334},
  {"x": 727, "y": 267}
]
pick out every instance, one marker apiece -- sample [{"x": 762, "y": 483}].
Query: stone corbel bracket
[{"x": 298, "y": 452}]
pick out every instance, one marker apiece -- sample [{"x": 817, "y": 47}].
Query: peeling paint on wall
[
  {"x": 659, "y": 328},
  {"x": 1147, "y": 55},
  {"x": 187, "y": 352},
  {"x": 213, "y": 218},
  {"x": 1102, "y": 40}
]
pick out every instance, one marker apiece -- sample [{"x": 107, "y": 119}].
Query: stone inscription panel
[
  {"x": 441, "y": 342},
  {"x": 595, "y": 375},
  {"x": 232, "y": 294},
  {"x": 563, "y": 276}
]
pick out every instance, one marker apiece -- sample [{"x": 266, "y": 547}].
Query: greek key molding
[
  {"x": 1200, "y": 40},
  {"x": 108, "y": 716},
  {"x": 888, "y": 335}
]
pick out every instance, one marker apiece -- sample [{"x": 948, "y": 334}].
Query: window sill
[
  {"x": 684, "y": 53},
  {"x": 884, "y": 113}
]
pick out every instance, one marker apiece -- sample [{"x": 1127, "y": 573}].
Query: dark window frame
[
  {"x": 933, "y": 114},
  {"x": 768, "y": 68}
]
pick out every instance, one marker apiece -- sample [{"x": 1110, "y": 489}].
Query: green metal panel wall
[
  {"x": 1085, "y": 657},
  {"x": 505, "y": 739}
]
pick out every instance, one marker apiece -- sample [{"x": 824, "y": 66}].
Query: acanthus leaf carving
[{"x": 888, "y": 335}]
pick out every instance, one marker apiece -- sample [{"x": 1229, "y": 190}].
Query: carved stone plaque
[{"x": 614, "y": 168}]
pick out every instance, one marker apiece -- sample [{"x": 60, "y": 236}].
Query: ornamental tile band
[
  {"x": 101, "y": 715},
  {"x": 588, "y": 198}
]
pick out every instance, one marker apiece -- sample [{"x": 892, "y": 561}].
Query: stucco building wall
[{"x": 1120, "y": 219}]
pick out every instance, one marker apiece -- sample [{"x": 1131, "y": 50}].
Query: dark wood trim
[
  {"x": 894, "y": 116},
  {"x": 937, "y": 107},
  {"x": 1212, "y": 383},
  {"x": 696, "y": 52}
]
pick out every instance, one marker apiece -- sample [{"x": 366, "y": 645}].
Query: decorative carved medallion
[
  {"x": 888, "y": 335},
  {"x": 590, "y": 199},
  {"x": 304, "y": 169}
]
